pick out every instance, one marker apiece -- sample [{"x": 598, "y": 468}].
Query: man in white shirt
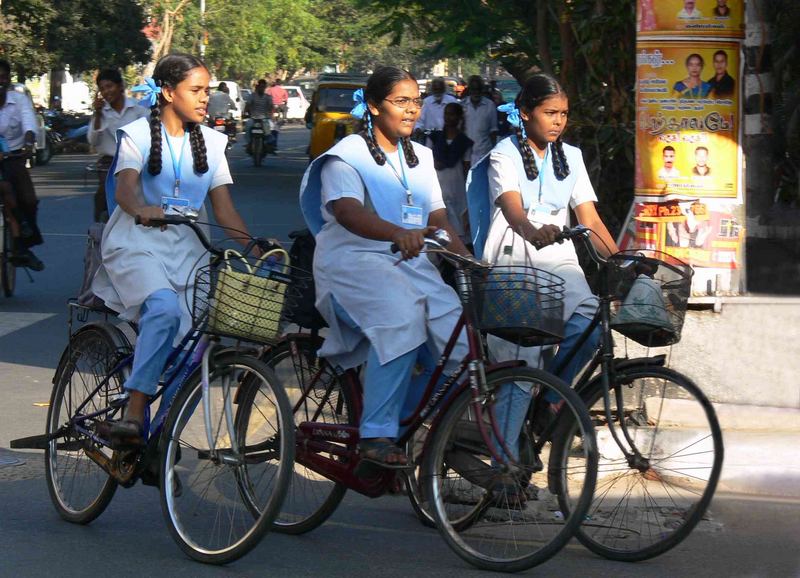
[
  {"x": 18, "y": 128},
  {"x": 689, "y": 11},
  {"x": 668, "y": 171},
  {"x": 432, "y": 116},
  {"x": 112, "y": 110},
  {"x": 480, "y": 119}
]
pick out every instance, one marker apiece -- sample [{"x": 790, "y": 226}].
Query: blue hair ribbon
[
  {"x": 360, "y": 109},
  {"x": 512, "y": 114},
  {"x": 149, "y": 90}
]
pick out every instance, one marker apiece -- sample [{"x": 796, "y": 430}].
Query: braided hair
[
  {"x": 379, "y": 86},
  {"x": 170, "y": 71},
  {"x": 536, "y": 90}
]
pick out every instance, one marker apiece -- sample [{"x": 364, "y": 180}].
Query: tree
[{"x": 588, "y": 44}]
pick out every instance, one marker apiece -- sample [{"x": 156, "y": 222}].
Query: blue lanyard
[
  {"x": 403, "y": 180},
  {"x": 542, "y": 168},
  {"x": 176, "y": 164}
]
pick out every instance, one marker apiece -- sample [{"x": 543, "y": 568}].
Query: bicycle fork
[{"x": 228, "y": 456}]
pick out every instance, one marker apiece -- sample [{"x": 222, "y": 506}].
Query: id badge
[
  {"x": 412, "y": 215},
  {"x": 174, "y": 205}
]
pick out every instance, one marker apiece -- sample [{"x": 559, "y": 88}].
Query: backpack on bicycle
[{"x": 301, "y": 253}]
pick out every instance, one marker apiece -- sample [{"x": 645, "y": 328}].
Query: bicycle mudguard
[
  {"x": 655, "y": 361},
  {"x": 121, "y": 342}
]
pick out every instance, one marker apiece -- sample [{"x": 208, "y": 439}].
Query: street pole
[{"x": 203, "y": 25}]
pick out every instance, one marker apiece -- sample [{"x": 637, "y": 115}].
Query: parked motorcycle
[{"x": 68, "y": 132}]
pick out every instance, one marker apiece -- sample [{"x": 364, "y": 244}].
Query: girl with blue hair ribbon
[
  {"x": 519, "y": 198},
  {"x": 371, "y": 190},
  {"x": 166, "y": 165}
]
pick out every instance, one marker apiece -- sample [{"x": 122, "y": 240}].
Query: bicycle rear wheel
[
  {"x": 79, "y": 488},
  {"x": 219, "y": 497},
  {"x": 315, "y": 394},
  {"x": 505, "y": 516},
  {"x": 643, "y": 508}
]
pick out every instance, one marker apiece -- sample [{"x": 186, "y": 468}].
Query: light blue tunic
[
  {"x": 137, "y": 260},
  {"x": 397, "y": 306}
]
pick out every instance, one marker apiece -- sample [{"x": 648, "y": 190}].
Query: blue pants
[
  {"x": 159, "y": 321},
  {"x": 390, "y": 392},
  {"x": 513, "y": 400}
]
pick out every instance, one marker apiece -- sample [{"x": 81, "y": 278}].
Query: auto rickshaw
[{"x": 328, "y": 116}]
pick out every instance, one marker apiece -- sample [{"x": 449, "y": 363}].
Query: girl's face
[
  {"x": 190, "y": 97},
  {"x": 545, "y": 123},
  {"x": 694, "y": 67},
  {"x": 396, "y": 114},
  {"x": 451, "y": 117}
]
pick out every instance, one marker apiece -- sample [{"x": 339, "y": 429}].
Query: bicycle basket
[
  {"x": 517, "y": 303},
  {"x": 234, "y": 298},
  {"x": 653, "y": 291}
]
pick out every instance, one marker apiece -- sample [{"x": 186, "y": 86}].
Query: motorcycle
[
  {"x": 225, "y": 125},
  {"x": 263, "y": 139}
]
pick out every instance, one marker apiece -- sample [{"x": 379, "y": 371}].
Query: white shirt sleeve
[
  {"x": 340, "y": 180},
  {"x": 437, "y": 202},
  {"x": 29, "y": 123},
  {"x": 583, "y": 192},
  {"x": 222, "y": 176},
  {"x": 129, "y": 156},
  {"x": 502, "y": 176}
]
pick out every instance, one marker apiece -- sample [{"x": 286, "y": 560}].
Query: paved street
[{"x": 744, "y": 537}]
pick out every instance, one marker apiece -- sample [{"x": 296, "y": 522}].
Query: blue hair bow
[
  {"x": 149, "y": 90},
  {"x": 512, "y": 114},
  {"x": 360, "y": 109}
]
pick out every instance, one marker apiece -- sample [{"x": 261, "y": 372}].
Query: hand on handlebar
[
  {"x": 544, "y": 236},
  {"x": 145, "y": 215},
  {"x": 411, "y": 241}
]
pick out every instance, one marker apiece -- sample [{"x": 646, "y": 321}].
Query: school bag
[
  {"x": 301, "y": 253},
  {"x": 91, "y": 263}
]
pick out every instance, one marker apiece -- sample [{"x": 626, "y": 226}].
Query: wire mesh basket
[
  {"x": 653, "y": 290},
  {"x": 517, "y": 303},
  {"x": 236, "y": 297}
]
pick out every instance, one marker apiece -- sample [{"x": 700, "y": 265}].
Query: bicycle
[
  {"x": 222, "y": 475},
  {"x": 8, "y": 261},
  {"x": 461, "y": 452},
  {"x": 655, "y": 480}
]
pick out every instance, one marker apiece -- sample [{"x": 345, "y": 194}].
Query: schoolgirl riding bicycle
[
  {"x": 519, "y": 198},
  {"x": 167, "y": 165}
]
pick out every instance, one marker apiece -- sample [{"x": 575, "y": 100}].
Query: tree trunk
[
  {"x": 567, "y": 48},
  {"x": 57, "y": 77},
  {"x": 542, "y": 37}
]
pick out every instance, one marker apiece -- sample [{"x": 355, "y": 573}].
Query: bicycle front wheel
[
  {"x": 646, "y": 504},
  {"x": 220, "y": 495},
  {"x": 503, "y": 514},
  {"x": 316, "y": 394}
]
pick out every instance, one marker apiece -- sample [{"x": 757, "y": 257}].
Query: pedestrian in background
[
  {"x": 452, "y": 150},
  {"x": 480, "y": 119},
  {"x": 432, "y": 116},
  {"x": 112, "y": 110}
]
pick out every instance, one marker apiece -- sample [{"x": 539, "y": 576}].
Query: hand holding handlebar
[{"x": 410, "y": 241}]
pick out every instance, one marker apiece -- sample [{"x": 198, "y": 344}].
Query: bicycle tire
[
  {"x": 637, "y": 514},
  {"x": 193, "y": 476},
  {"x": 414, "y": 479},
  {"x": 504, "y": 531},
  {"x": 8, "y": 271},
  {"x": 311, "y": 498},
  {"x": 79, "y": 488}
]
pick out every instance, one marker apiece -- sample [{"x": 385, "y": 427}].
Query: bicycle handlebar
[
  {"x": 581, "y": 233},
  {"x": 264, "y": 244},
  {"x": 438, "y": 244}
]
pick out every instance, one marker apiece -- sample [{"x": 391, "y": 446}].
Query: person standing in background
[
  {"x": 480, "y": 119},
  {"x": 112, "y": 110},
  {"x": 432, "y": 116}
]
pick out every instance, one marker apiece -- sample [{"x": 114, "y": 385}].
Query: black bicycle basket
[
  {"x": 652, "y": 290},
  {"x": 517, "y": 303},
  {"x": 246, "y": 300}
]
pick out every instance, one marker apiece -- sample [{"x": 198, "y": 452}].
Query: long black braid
[
  {"x": 170, "y": 71},
  {"x": 536, "y": 90},
  {"x": 379, "y": 86}
]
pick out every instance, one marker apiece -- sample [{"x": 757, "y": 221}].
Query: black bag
[
  {"x": 91, "y": 263},
  {"x": 304, "y": 313}
]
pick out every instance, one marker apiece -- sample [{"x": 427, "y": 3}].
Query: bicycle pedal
[{"x": 118, "y": 400}]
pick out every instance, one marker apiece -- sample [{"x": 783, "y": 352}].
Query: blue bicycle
[{"x": 222, "y": 469}]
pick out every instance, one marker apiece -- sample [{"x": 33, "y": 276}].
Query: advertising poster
[
  {"x": 721, "y": 18},
  {"x": 687, "y": 138}
]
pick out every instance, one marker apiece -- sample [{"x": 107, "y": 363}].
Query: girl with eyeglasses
[{"x": 371, "y": 190}]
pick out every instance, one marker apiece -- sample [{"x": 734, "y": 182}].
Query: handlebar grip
[
  {"x": 394, "y": 248},
  {"x": 167, "y": 220}
]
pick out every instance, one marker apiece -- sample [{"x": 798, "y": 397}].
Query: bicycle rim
[
  {"x": 79, "y": 488},
  {"x": 505, "y": 516},
  {"x": 315, "y": 394},
  {"x": 219, "y": 501},
  {"x": 639, "y": 513}
]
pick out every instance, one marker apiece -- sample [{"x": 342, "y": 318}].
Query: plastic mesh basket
[
  {"x": 521, "y": 304},
  {"x": 653, "y": 290},
  {"x": 246, "y": 301}
]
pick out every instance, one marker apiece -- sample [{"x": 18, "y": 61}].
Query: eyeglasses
[{"x": 404, "y": 102}]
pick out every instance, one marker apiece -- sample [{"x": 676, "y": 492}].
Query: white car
[
  {"x": 235, "y": 93},
  {"x": 297, "y": 104}
]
